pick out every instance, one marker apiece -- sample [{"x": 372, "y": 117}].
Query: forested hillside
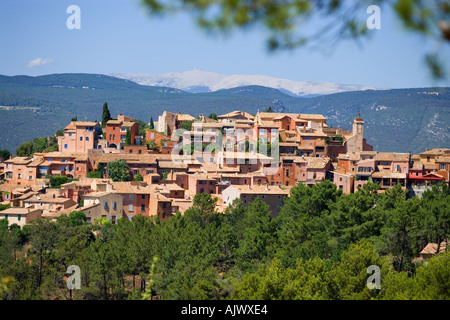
[{"x": 319, "y": 247}]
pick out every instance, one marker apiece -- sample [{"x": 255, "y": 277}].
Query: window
[
  {"x": 142, "y": 207},
  {"x": 81, "y": 138},
  {"x": 105, "y": 205},
  {"x": 114, "y": 205},
  {"x": 130, "y": 197},
  {"x": 65, "y": 146},
  {"x": 130, "y": 207},
  {"x": 70, "y": 134},
  {"x": 6, "y": 216},
  {"x": 143, "y": 197},
  {"x": 442, "y": 166},
  {"x": 152, "y": 136},
  {"x": 135, "y": 171},
  {"x": 19, "y": 217}
]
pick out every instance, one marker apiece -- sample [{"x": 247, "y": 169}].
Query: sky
[{"x": 119, "y": 36}]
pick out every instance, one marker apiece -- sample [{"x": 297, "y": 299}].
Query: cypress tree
[
  {"x": 106, "y": 115},
  {"x": 152, "y": 125}
]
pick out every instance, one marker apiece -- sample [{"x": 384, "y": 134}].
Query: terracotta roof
[
  {"x": 184, "y": 117},
  {"x": 443, "y": 159},
  {"x": 19, "y": 160},
  {"x": 391, "y": 156},
  {"x": 349, "y": 156},
  {"x": 128, "y": 124},
  {"x": 317, "y": 163},
  {"x": 129, "y": 158},
  {"x": 18, "y": 210},
  {"x": 431, "y": 248},
  {"x": 172, "y": 187},
  {"x": 417, "y": 165},
  {"x": 436, "y": 151},
  {"x": 310, "y": 133},
  {"x": 262, "y": 189},
  {"x": 35, "y": 163},
  {"x": 272, "y": 115},
  {"x": 49, "y": 199},
  {"x": 98, "y": 194},
  {"x": 172, "y": 165},
  {"x": 429, "y": 166},
  {"x": 114, "y": 122},
  {"x": 85, "y": 123},
  {"x": 127, "y": 187},
  {"x": 70, "y": 126},
  {"x": 388, "y": 174},
  {"x": 237, "y": 113},
  {"x": 77, "y": 156}
]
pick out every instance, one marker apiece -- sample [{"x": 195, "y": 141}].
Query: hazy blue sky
[{"x": 120, "y": 37}]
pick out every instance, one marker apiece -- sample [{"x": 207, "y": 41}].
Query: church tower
[{"x": 357, "y": 140}]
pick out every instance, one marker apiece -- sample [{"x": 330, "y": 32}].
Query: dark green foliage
[
  {"x": 106, "y": 115},
  {"x": 128, "y": 138},
  {"x": 319, "y": 247},
  {"x": 186, "y": 125},
  {"x": 138, "y": 177},
  {"x": 118, "y": 170},
  {"x": 57, "y": 181},
  {"x": 4, "y": 154},
  {"x": 25, "y": 149},
  {"x": 152, "y": 125}
]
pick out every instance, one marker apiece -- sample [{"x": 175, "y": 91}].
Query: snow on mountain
[{"x": 203, "y": 81}]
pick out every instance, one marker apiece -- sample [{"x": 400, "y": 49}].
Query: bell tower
[{"x": 358, "y": 130}]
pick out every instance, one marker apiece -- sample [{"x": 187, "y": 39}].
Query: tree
[
  {"x": 106, "y": 115},
  {"x": 57, "y": 181},
  {"x": 152, "y": 124},
  {"x": 39, "y": 144},
  {"x": 25, "y": 149},
  {"x": 258, "y": 236},
  {"x": 4, "y": 154},
  {"x": 288, "y": 23},
  {"x": 138, "y": 177},
  {"x": 118, "y": 170},
  {"x": 213, "y": 116},
  {"x": 128, "y": 138},
  {"x": 269, "y": 109}
]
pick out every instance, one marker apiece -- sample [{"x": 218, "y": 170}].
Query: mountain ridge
[{"x": 199, "y": 81}]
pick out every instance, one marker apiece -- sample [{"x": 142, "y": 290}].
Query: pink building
[{"x": 80, "y": 136}]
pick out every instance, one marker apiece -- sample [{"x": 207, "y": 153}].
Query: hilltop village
[{"x": 117, "y": 171}]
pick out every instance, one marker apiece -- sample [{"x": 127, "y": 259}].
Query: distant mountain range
[
  {"x": 398, "y": 120},
  {"x": 196, "y": 81}
]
